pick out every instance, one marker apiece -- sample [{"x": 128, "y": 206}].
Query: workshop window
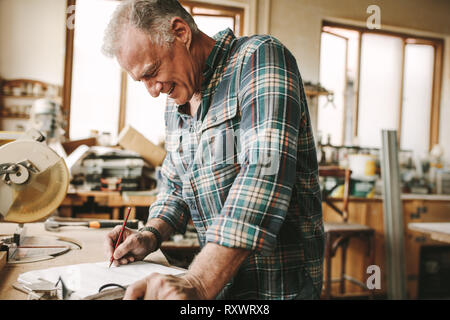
[
  {"x": 380, "y": 80},
  {"x": 95, "y": 98},
  {"x": 104, "y": 98},
  {"x": 211, "y": 18}
]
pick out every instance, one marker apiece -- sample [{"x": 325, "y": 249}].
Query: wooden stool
[{"x": 338, "y": 235}]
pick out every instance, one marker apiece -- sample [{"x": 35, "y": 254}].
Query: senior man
[{"x": 241, "y": 161}]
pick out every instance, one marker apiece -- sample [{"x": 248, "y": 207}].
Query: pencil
[{"x": 119, "y": 239}]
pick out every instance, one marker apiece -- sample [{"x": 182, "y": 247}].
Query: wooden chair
[{"x": 338, "y": 235}]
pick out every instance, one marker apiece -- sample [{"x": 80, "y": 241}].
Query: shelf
[
  {"x": 26, "y": 97},
  {"x": 14, "y": 117},
  {"x": 18, "y": 96},
  {"x": 311, "y": 93}
]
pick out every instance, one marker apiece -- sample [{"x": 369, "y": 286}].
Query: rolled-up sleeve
[
  {"x": 169, "y": 205},
  {"x": 257, "y": 203}
]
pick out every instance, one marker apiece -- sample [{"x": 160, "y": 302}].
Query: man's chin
[{"x": 180, "y": 101}]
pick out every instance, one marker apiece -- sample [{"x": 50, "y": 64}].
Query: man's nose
[{"x": 154, "y": 88}]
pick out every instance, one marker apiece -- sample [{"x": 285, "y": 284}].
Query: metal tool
[
  {"x": 33, "y": 179},
  {"x": 33, "y": 182},
  {"x": 54, "y": 225},
  {"x": 43, "y": 289}
]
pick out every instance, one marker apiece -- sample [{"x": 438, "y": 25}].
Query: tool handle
[{"x": 111, "y": 224}]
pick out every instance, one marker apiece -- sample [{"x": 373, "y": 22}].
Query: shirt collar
[
  {"x": 218, "y": 54},
  {"x": 216, "y": 57}
]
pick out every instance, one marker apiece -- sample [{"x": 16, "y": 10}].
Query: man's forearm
[{"x": 214, "y": 266}]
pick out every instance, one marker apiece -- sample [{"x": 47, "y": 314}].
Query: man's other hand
[{"x": 166, "y": 287}]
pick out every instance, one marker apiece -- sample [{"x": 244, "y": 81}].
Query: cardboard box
[{"x": 131, "y": 139}]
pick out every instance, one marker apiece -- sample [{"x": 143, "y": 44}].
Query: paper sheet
[{"x": 85, "y": 279}]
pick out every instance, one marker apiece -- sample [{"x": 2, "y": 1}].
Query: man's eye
[{"x": 150, "y": 75}]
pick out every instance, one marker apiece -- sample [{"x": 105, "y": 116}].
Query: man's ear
[{"x": 182, "y": 31}]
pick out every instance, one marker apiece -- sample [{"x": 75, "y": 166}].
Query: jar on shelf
[
  {"x": 37, "y": 89},
  {"x": 6, "y": 90}
]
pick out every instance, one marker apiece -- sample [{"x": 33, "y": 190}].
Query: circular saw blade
[{"x": 41, "y": 196}]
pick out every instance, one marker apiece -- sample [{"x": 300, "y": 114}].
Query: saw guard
[{"x": 41, "y": 195}]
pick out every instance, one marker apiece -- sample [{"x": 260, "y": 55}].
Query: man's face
[{"x": 163, "y": 69}]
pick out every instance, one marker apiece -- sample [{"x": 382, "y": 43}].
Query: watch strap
[{"x": 156, "y": 233}]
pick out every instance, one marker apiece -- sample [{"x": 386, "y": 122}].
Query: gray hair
[{"x": 151, "y": 16}]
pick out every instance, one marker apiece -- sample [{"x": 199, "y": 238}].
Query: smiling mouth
[{"x": 171, "y": 89}]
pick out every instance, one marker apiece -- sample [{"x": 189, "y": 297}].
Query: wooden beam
[
  {"x": 380, "y": 31},
  {"x": 436, "y": 94},
  {"x": 2, "y": 259},
  {"x": 357, "y": 85},
  {"x": 123, "y": 101},
  {"x": 68, "y": 62},
  {"x": 400, "y": 103}
]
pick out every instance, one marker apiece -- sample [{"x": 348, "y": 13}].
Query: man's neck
[{"x": 201, "y": 47}]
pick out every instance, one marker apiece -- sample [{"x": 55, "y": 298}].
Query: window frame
[
  {"x": 435, "y": 105},
  {"x": 225, "y": 10}
]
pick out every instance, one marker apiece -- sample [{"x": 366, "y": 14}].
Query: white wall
[{"x": 32, "y": 39}]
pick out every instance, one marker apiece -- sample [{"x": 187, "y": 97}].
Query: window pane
[
  {"x": 212, "y": 25},
  {"x": 417, "y": 91},
  {"x": 352, "y": 77},
  {"x": 145, "y": 113},
  {"x": 380, "y": 82},
  {"x": 333, "y": 55},
  {"x": 96, "y": 78}
]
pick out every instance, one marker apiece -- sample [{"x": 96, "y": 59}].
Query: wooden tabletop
[
  {"x": 439, "y": 231},
  {"x": 92, "y": 251}
]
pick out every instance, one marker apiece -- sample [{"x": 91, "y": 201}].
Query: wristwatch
[{"x": 156, "y": 233}]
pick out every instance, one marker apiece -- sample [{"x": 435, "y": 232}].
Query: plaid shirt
[{"x": 230, "y": 168}]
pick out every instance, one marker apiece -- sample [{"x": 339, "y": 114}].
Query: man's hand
[
  {"x": 211, "y": 269},
  {"x": 135, "y": 245},
  {"x": 166, "y": 287}
]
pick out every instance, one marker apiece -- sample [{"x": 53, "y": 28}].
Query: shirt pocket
[
  {"x": 220, "y": 113},
  {"x": 219, "y": 140}
]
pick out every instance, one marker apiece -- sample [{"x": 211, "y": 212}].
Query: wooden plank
[
  {"x": 2, "y": 259},
  {"x": 436, "y": 95},
  {"x": 68, "y": 63},
  {"x": 123, "y": 101},
  {"x": 92, "y": 251},
  {"x": 100, "y": 216}
]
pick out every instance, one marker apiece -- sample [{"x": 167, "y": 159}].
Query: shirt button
[{"x": 214, "y": 119}]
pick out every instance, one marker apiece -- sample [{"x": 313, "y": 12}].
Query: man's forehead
[{"x": 136, "y": 52}]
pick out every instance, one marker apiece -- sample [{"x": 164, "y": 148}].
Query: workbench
[
  {"x": 417, "y": 209},
  {"x": 439, "y": 231},
  {"x": 112, "y": 199},
  {"x": 92, "y": 250}
]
